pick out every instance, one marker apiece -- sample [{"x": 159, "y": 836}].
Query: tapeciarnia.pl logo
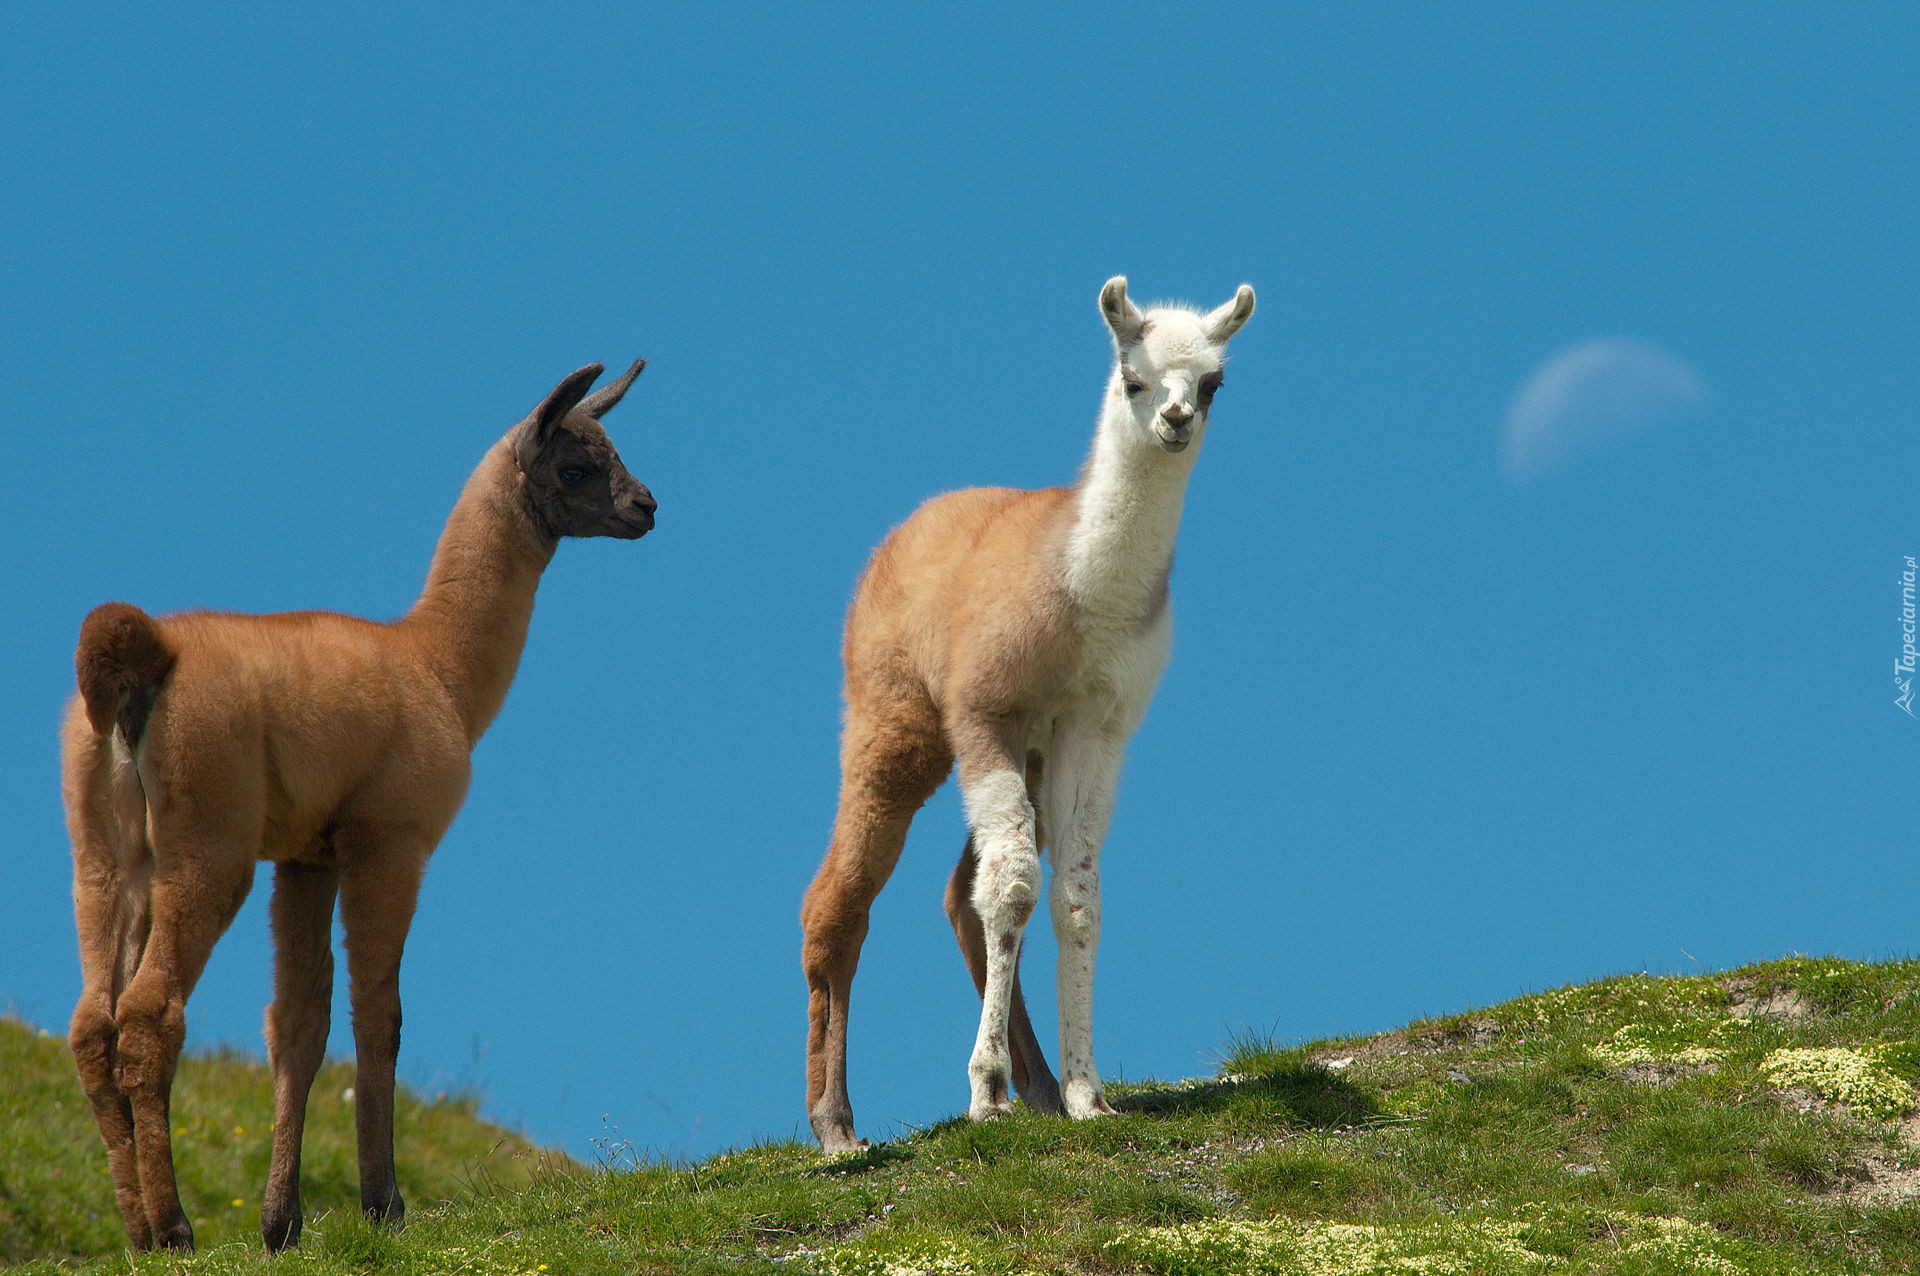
[{"x": 1903, "y": 667}]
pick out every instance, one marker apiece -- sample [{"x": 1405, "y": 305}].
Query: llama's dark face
[
  {"x": 580, "y": 488},
  {"x": 576, "y": 484},
  {"x": 1170, "y": 363}
]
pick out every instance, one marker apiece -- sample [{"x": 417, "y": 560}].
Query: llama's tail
[{"x": 123, "y": 659}]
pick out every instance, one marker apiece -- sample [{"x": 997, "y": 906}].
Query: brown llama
[
  {"x": 338, "y": 748},
  {"x": 1020, "y": 633}
]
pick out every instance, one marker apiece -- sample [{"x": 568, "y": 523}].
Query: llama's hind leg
[
  {"x": 194, "y": 897},
  {"x": 110, "y": 916},
  {"x": 890, "y": 764},
  {"x": 94, "y": 1039},
  {"x": 297, "y": 1021},
  {"x": 94, "y": 1036},
  {"x": 1032, "y": 1079}
]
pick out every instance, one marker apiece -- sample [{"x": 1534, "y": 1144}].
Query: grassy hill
[
  {"x": 1761, "y": 1120},
  {"x": 56, "y": 1201}
]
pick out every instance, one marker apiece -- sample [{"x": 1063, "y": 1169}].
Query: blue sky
[{"x": 277, "y": 277}]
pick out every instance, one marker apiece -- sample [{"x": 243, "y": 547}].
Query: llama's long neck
[
  {"x": 1126, "y": 515},
  {"x": 472, "y": 616}
]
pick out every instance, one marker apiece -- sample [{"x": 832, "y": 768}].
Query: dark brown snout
[{"x": 636, "y": 508}]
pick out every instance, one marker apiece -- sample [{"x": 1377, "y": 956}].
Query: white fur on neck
[{"x": 1126, "y": 516}]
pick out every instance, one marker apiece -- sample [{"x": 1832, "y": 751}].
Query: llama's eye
[
  {"x": 574, "y": 475},
  {"x": 1135, "y": 386},
  {"x": 1208, "y": 387}
]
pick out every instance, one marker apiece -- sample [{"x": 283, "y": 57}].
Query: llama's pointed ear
[
  {"x": 1121, "y": 314},
  {"x": 1230, "y": 318},
  {"x": 566, "y": 396},
  {"x": 596, "y": 404}
]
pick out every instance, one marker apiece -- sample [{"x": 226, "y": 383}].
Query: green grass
[
  {"x": 1635, "y": 1125},
  {"x": 56, "y": 1201}
]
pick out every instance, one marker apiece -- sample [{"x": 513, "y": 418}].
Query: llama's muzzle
[
  {"x": 1172, "y": 438},
  {"x": 636, "y": 509}
]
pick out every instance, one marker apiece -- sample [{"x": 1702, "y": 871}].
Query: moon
[{"x": 1591, "y": 394}]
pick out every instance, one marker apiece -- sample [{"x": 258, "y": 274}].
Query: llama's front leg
[
  {"x": 297, "y": 1022},
  {"x": 1005, "y": 889},
  {"x": 1033, "y": 1080},
  {"x": 1076, "y": 923},
  {"x": 1084, "y": 772},
  {"x": 379, "y": 884}
]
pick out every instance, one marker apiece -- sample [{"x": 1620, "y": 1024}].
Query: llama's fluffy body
[
  {"x": 338, "y": 748},
  {"x": 1019, "y": 634}
]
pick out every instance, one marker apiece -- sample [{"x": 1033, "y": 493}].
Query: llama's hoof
[
  {"x": 989, "y": 1083},
  {"x": 139, "y": 1234},
  {"x": 1083, "y": 1101},
  {"x": 991, "y": 1098},
  {"x": 992, "y": 1090},
  {"x": 833, "y": 1125},
  {"x": 1044, "y": 1099},
  {"x": 988, "y": 1111},
  {"x": 175, "y": 1235},
  {"x": 280, "y": 1231},
  {"x": 392, "y": 1212},
  {"x": 841, "y": 1141}
]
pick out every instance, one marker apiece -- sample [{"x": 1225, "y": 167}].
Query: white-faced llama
[
  {"x": 1021, "y": 634},
  {"x": 202, "y": 743}
]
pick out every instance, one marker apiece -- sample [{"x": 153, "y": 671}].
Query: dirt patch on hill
[
  {"x": 1892, "y": 1175},
  {"x": 1661, "y": 1073},
  {"x": 1474, "y": 1034},
  {"x": 1387, "y": 1046},
  {"x": 1781, "y": 1005},
  {"x": 1881, "y": 1176}
]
